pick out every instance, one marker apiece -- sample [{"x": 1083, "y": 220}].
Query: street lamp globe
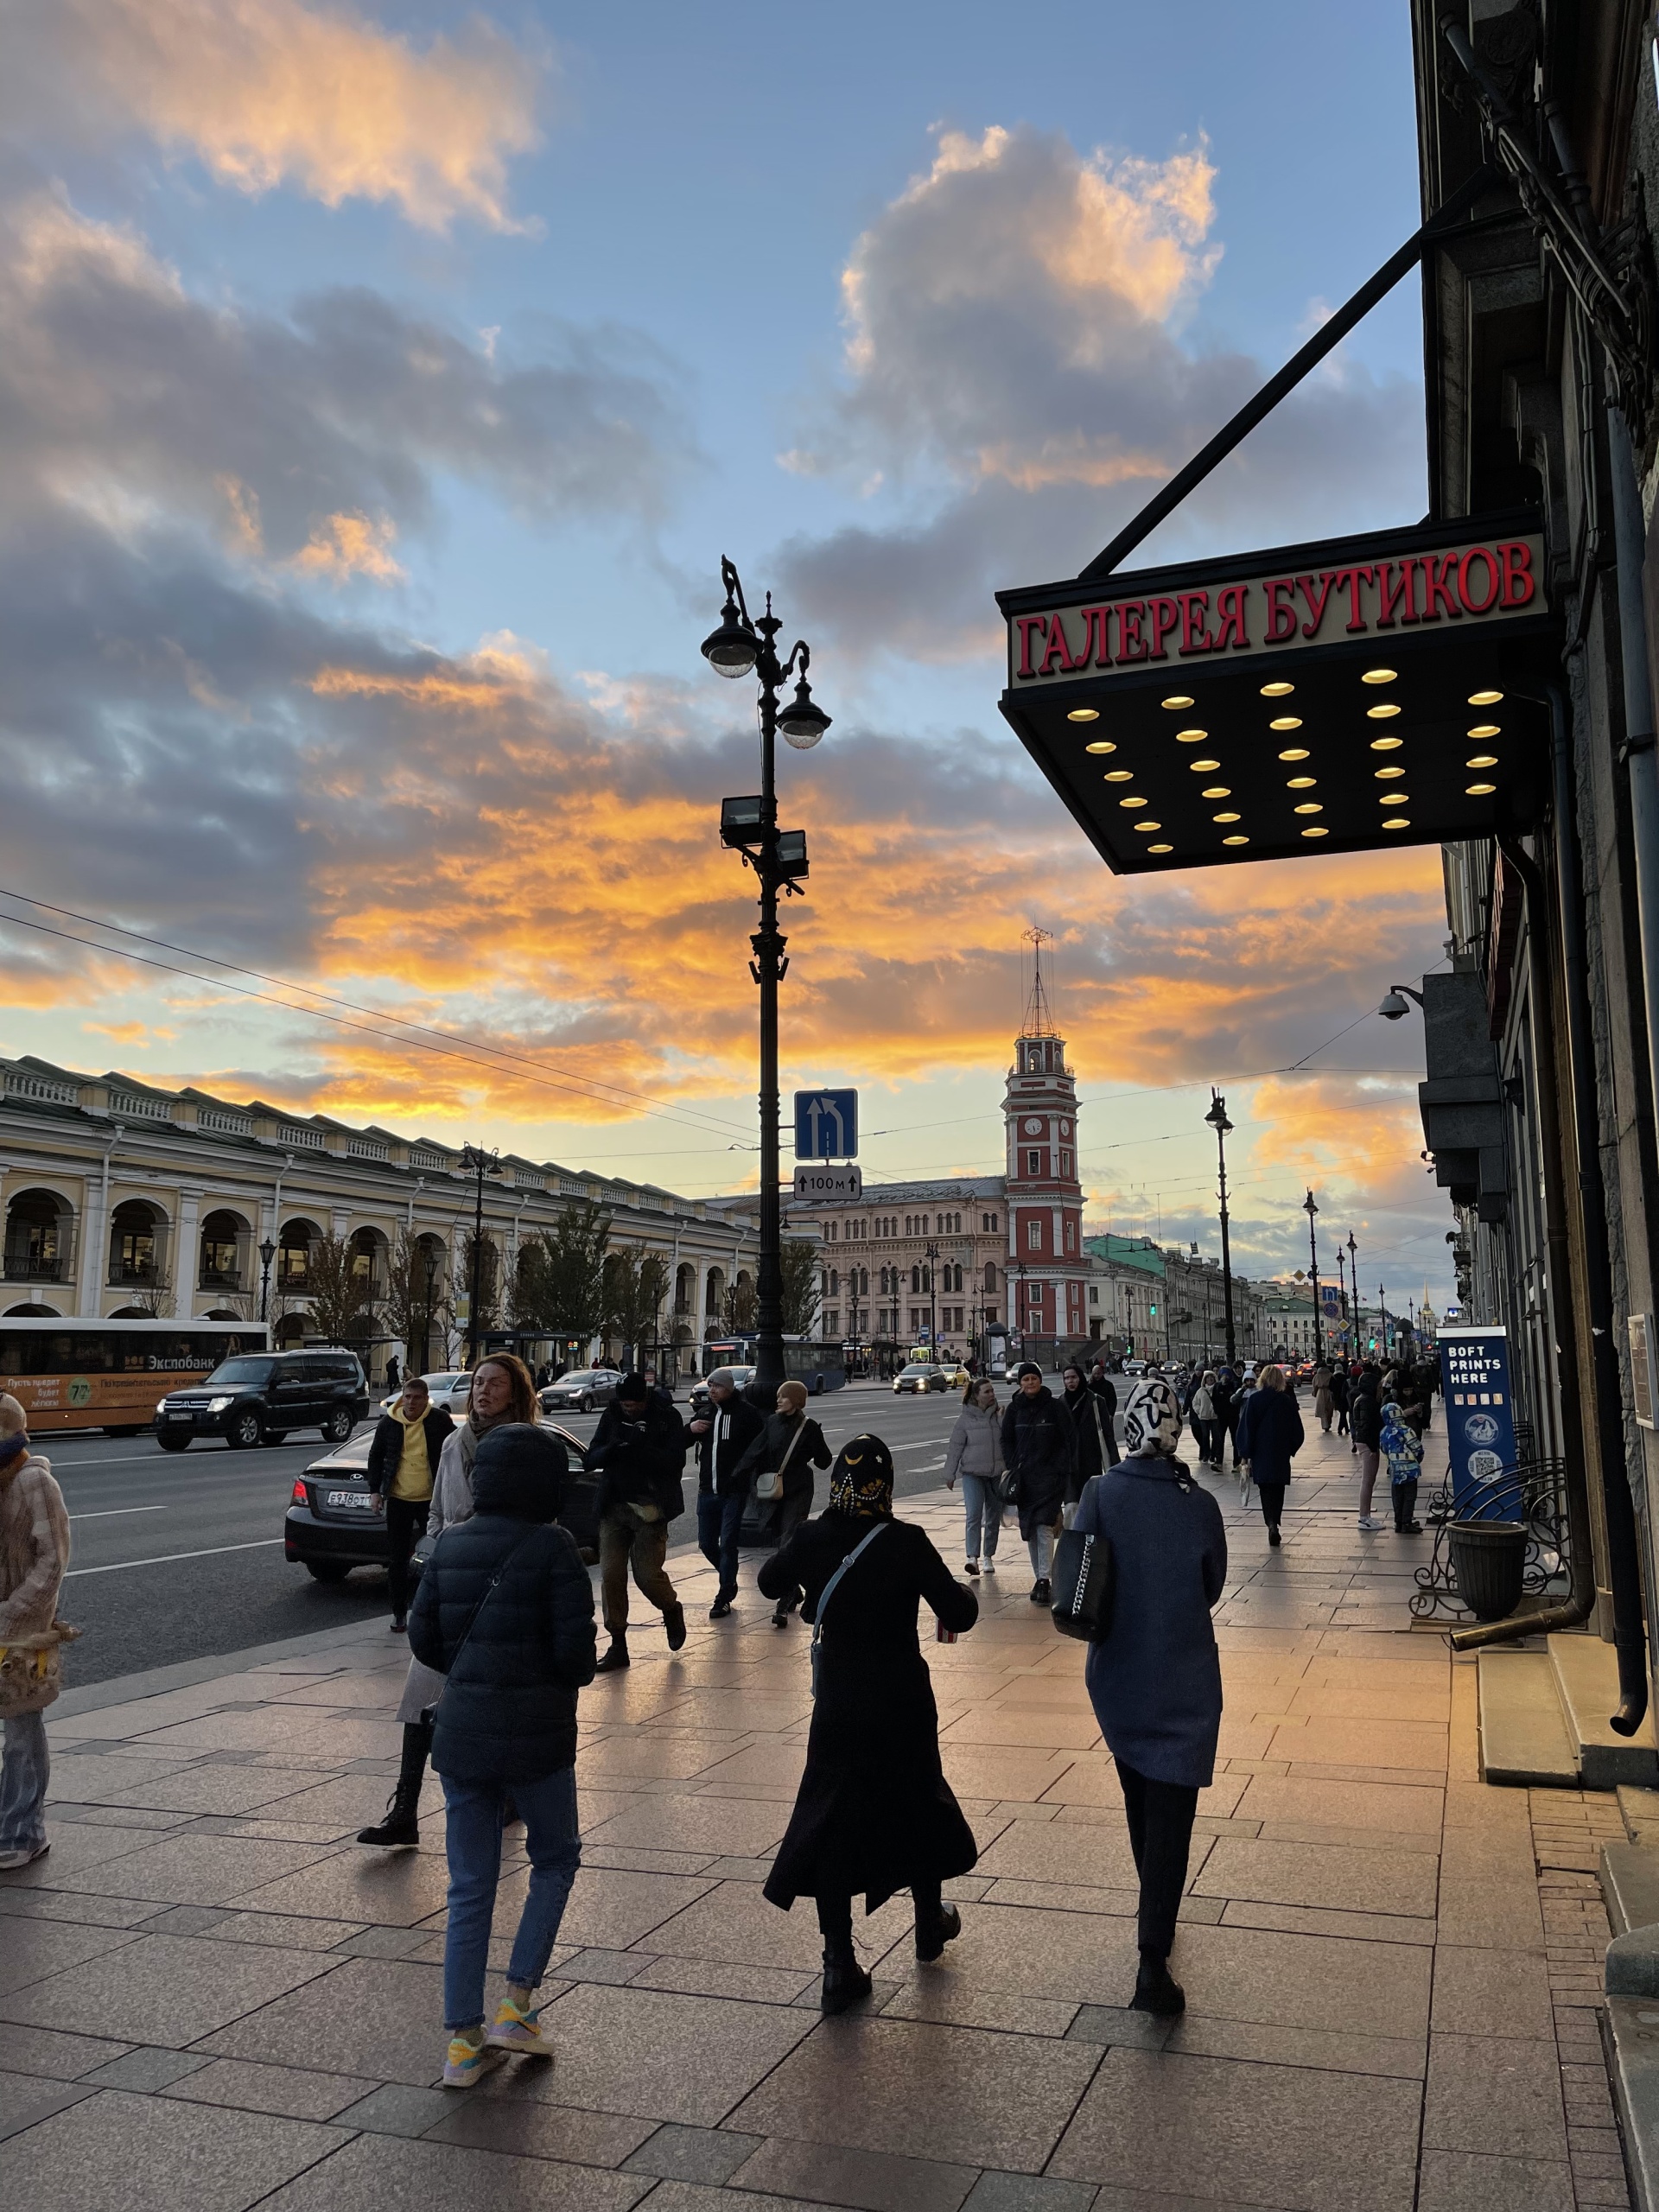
[
  {"x": 1393, "y": 1006},
  {"x": 803, "y": 722},
  {"x": 733, "y": 649}
]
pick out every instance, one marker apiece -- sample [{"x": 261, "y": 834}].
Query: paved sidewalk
[{"x": 210, "y": 1999}]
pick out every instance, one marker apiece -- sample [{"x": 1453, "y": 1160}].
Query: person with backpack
[
  {"x": 875, "y": 1814},
  {"x": 504, "y": 1613},
  {"x": 1154, "y": 1677},
  {"x": 1402, "y": 1453}
]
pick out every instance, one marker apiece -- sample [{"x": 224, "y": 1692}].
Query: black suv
[{"x": 259, "y": 1398}]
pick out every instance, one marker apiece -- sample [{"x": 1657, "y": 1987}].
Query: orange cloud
[
  {"x": 269, "y": 92},
  {"x": 351, "y": 545}
]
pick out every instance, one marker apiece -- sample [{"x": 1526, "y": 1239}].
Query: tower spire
[{"x": 1039, "y": 1022}]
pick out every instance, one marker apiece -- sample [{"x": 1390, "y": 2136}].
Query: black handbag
[{"x": 1082, "y": 1585}]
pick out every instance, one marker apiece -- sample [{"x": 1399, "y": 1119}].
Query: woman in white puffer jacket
[{"x": 974, "y": 1452}]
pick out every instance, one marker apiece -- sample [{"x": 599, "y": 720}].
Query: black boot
[
  {"x": 1154, "y": 1990},
  {"x": 941, "y": 1928},
  {"x": 845, "y": 1981},
  {"x": 615, "y": 1657},
  {"x": 400, "y": 1830}
]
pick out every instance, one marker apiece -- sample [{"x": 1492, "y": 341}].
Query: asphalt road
[{"x": 179, "y": 1555}]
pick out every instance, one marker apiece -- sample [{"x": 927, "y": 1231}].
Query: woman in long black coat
[
  {"x": 1087, "y": 1420},
  {"x": 875, "y": 1814}
]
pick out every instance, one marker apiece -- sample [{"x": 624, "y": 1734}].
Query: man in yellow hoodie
[{"x": 402, "y": 1462}]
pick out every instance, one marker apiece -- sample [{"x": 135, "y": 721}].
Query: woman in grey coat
[
  {"x": 1154, "y": 1678},
  {"x": 974, "y": 1452}
]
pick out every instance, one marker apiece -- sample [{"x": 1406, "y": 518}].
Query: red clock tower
[{"x": 1048, "y": 1271}]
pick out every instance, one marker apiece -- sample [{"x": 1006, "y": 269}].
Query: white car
[{"x": 451, "y": 1390}]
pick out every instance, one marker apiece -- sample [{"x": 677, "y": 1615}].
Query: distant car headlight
[
  {"x": 161, "y": 1405},
  {"x": 218, "y": 1405}
]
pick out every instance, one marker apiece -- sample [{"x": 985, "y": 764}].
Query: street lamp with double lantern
[{"x": 740, "y": 646}]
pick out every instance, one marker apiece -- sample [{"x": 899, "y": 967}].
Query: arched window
[
  {"x": 225, "y": 1236},
  {"x": 37, "y": 1237},
  {"x": 137, "y": 1248},
  {"x": 834, "y": 1283},
  {"x": 915, "y": 1282},
  {"x": 294, "y": 1253},
  {"x": 990, "y": 1275}
]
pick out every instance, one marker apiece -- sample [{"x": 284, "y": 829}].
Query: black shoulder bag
[{"x": 1082, "y": 1585}]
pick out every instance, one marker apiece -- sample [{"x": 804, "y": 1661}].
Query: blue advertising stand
[{"x": 1479, "y": 1420}]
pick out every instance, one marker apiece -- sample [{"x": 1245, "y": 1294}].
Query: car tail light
[{"x": 299, "y": 1497}]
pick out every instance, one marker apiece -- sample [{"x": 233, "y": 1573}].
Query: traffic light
[{"x": 1152, "y": 1309}]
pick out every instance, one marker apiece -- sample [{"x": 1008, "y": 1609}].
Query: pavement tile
[
  {"x": 1462, "y": 2181},
  {"x": 209, "y": 1790},
  {"x": 1394, "y": 1808},
  {"x": 1304, "y": 1981},
  {"x": 34, "y": 1949},
  {"x": 1311, "y": 1920},
  {"x": 696, "y": 2154},
  {"x": 930, "y": 1995},
  {"x": 27, "y": 2098},
  {"x": 872, "y": 2181},
  {"x": 81, "y": 1777},
  {"x": 77, "y": 1846},
  {"x": 1056, "y": 1851},
  {"x": 1496, "y": 2095},
  {"x": 194, "y": 1869},
  {"x": 389, "y": 2174},
  {"x": 287, "y": 1930},
  {"x": 1321, "y": 1875},
  {"x": 389, "y": 1889},
  {"x": 146, "y": 2069},
  {"x": 54, "y": 2056},
  {"x": 168, "y": 2156},
  {"x": 514, "y": 2125},
  {"x": 1401, "y": 2058},
  {"x": 1224, "y": 2132},
  {"x": 921, "y": 2089},
  {"x": 162, "y": 1989},
  {"x": 293, "y": 2092},
  {"x": 735, "y": 1829},
  {"x": 665, "y": 2056},
  {"x": 1479, "y": 1992},
  {"x": 735, "y": 1923},
  {"x": 1119, "y": 2023},
  {"x": 697, "y": 2197},
  {"x": 607, "y": 1910},
  {"x": 380, "y": 2017},
  {"x": 397, "y": 2109},
  {"x": 1030, "y": 2192},
  {"x": 709, "y": 1978}
]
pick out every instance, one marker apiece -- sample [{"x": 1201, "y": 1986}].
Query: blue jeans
[
  {"x": 548, "y": 1809},
  {"x": 22, "y": 1783},
  {"x": 984, "y": 1515},
  {"x": 718, "y": 1519}
]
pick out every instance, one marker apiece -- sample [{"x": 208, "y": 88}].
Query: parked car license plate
[
  {"x": 178, "y": 1416},
  {"x": 357, "y": 1497}
]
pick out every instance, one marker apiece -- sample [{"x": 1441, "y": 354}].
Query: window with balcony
[{"x": 37, "y": 1238}]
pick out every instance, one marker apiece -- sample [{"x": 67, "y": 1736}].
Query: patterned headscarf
[
  {"x": 1152, "y": 1423},
  {"x": 860, "y": 1482}
]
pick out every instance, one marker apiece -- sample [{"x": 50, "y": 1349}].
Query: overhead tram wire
[
  {"x": 595, "y": 1088},
  {"x": 491, "y": 1066}
]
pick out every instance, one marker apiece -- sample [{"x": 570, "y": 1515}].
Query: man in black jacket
[
  {"x": 1037, "y": 1444},
  {"x": 720, "y": 1434},
  {"x": 505, "y": 1612},
  {"x": 403, "y": 1466},
  {"x": 638, "y": 1449}
]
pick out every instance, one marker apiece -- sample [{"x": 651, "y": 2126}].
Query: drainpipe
[
  {"x": 1579, "y": 1602},
  {"x": 409, "y": 1218},
  {"x": 1636, "y": 754},
  {"x": 100, "y": 1259}
]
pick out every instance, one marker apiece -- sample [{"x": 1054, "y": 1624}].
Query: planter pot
[{"x": 1488, "y": 1558}]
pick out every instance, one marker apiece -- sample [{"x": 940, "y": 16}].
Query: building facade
[
  {"x": 119, "y": 1198},
  {"x": 957, "y": 1262}
]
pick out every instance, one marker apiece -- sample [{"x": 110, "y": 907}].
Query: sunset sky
[{"x": 381, "y": 389}]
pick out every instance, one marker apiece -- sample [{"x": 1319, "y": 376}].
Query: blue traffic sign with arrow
[{"x": 826, "y": 1125}]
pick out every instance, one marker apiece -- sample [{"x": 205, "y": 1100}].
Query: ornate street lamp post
[
  {"x": 1310, "y": 1210},
  {"x": 1218, "y": 1122},
  {"x": 267, "y": 1253},
  {"x": 479, "y": 1163},
  {"x": 738, "y": 647}
]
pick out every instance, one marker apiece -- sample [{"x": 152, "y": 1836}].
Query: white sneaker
[
  {"x": 11, "y": 1860},
  {"x": 1368, "y": 1524},
  {"x": 988, "y": 1566}
]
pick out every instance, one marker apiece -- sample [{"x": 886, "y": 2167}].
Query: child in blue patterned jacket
[{"x": 1402, "y": 1455}]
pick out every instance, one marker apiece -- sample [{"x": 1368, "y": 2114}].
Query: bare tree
[
  {"x": 800, "y": 1266},
  {"x": 416, "y": 1298},
  {"x": 341, "y": 1294},
  {"x": 740, "y": 1304},
  {"x": 636, "y": 1284}
]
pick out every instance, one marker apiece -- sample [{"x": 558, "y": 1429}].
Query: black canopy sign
[{"x": 1334, "y": 696}]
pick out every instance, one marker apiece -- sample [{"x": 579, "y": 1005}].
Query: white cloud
[{"x": 271, "y": 93}]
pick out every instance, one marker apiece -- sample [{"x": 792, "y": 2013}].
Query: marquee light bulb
[
  {"x": 1294, "y": 752},
  {"x": 1100, "y": 745},
  {"x": 1380, "y": 676},
  {"x": 1381, "y": 714},
  {"x": 1277, "y": 690},
  {"x": 1083, "y": 714},
  {"x": 1176, "y": 701}
]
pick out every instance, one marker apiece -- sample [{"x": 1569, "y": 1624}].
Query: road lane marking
[
  {"x": 114, "y": 1512},
  {"x": 118, "y": 1567}
]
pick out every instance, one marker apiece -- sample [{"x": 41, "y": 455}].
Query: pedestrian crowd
[{"x": 502, "y": 1634}]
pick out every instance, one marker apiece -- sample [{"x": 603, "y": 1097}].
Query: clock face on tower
[{"x": 1034, "y": 1128}]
